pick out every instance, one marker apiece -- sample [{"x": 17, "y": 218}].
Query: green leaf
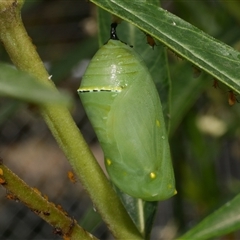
[
  {"x": 207, "y": 53},
  {"x": 22, "y": 86},
  {"x": 141, "y": 212},
  {"x": 225, "y": 220},
  {"x": 185, "y": 91},
  {"x": 91, "y": 220}
]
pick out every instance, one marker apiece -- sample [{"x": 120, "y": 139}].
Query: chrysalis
[{"x": 123, "y": 105}]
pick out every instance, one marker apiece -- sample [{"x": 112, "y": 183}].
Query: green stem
[
  {"x": 39, "y": 204},
  {"x": 23, "y": 54}
]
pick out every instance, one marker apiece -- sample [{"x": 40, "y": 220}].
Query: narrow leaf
[
  {"x": 207, "y": 53},
  {"x": 22, "y": 86},
  {"x": 225, "y": 220}
]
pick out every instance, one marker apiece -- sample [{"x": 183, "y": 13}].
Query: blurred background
[{"x": 205, "y": 134}]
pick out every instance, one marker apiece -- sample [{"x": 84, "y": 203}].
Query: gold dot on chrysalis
[
  {"x": 152, "y": 175},
  {"x": 108, "y": 161},
  {"x": 157, "y": 123}
]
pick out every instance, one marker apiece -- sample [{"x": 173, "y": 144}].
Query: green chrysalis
[{"x": 123, "y": 105}]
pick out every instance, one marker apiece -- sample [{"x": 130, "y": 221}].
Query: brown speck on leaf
[
  {"x": 151, "y": 41},
  {"x": 231, "y": 98},
  {"x": 215, "y": 83}
]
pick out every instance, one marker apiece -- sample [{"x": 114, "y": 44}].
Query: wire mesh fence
[{"x": 29, "y": 150}]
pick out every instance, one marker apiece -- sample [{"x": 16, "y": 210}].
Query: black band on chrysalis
[{"x": 113, "y": 32}]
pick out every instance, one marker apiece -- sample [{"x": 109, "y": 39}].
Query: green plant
[{"x": 217, "y": 59}]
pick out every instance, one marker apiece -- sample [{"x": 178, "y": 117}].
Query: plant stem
[
  {"x": 23, "y": 54},
  {"x": 40, "y": 205}
]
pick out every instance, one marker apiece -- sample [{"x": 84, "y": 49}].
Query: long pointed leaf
[
  {"x": 207, "y": 53},
  {"x": 225, "y": 220},
  {"x": 19, "y": 85}
]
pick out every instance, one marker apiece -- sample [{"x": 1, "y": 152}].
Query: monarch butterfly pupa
[{"x": 123, "y": 105}]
